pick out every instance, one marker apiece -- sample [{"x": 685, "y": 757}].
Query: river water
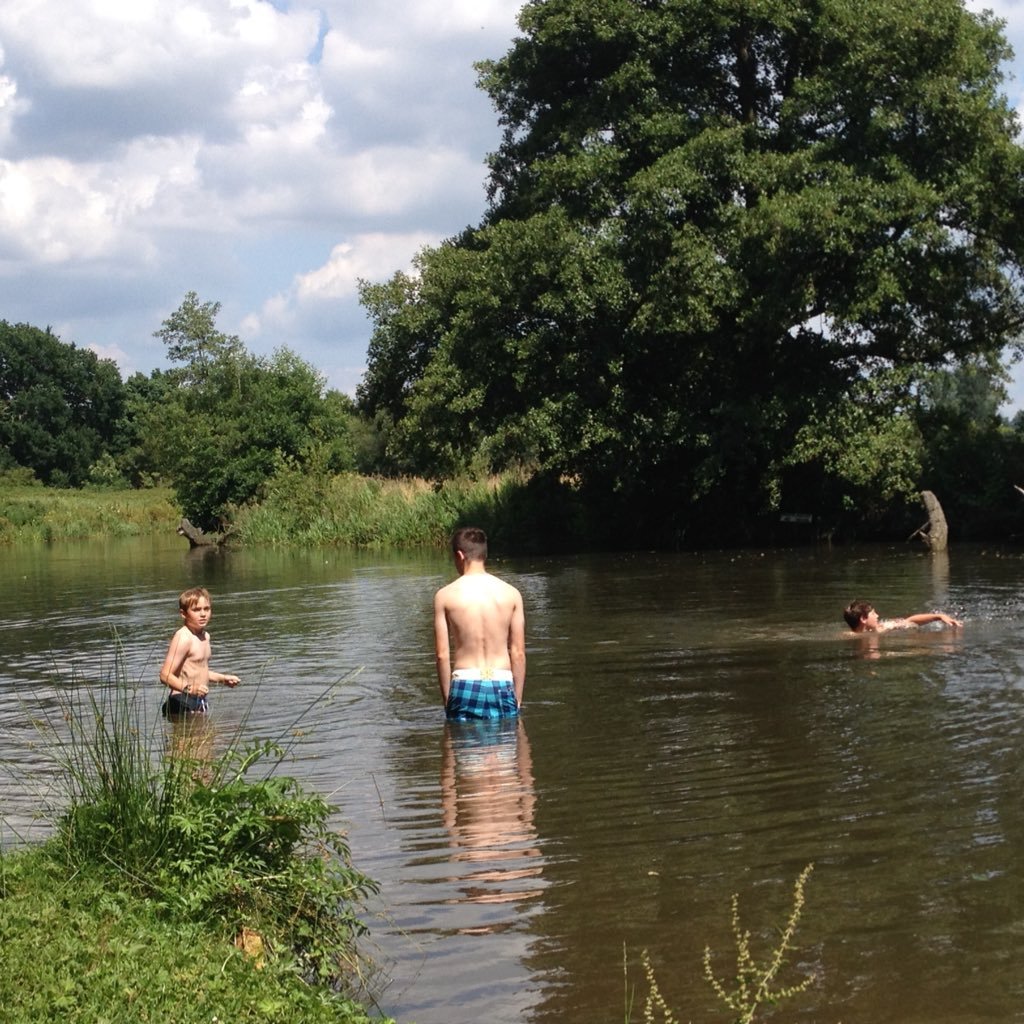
[{"x": 696, "y": 725}]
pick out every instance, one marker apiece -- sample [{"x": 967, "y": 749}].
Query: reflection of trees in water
[{"x": 487, "y": 804}]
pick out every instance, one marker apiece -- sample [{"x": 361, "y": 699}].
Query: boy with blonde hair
[{"x": 186, "y": 668}]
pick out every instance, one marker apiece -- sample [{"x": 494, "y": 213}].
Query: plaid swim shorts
[{"x": 476, "y": 694}]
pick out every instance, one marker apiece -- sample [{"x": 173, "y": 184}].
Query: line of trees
[{"x": 216, "y": 426}]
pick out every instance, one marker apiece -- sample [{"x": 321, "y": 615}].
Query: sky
[{"x": 266, "y": 155}]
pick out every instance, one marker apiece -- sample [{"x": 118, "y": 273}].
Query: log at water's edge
[
  {"x": 196, "y": 538},
  {"x": 937, "y": 535}
]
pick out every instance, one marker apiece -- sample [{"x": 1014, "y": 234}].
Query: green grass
[
  {"x": 81, "y": 947},
  {"x": 160, "y": 862},
  {"x": 32, "y": 513},
  {"x": 302, "y": 507},
  {"x": 370, "y": 512}
]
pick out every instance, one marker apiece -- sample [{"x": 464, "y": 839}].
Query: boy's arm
[
  {"x": 224, "y": 680},
  {"x": 517, "y": 647},
  {"x": 177, "y": 652},
  {"x": 442, "y": 648},
  {"x": 923, "y": 618}
]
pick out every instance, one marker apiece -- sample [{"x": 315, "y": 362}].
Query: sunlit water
[{"x": 695, "y": 726}]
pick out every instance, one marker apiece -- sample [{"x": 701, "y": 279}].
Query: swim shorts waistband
[{"x": 499, "y": 675}]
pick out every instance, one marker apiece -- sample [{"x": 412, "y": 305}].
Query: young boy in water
[
  {"x": 186, "y": 668},
  {"x": 861, "y": 617}
]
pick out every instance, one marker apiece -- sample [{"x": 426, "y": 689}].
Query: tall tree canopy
[
  {"x": 58, "y": 404},
  {"x": 710, "y": 223}
]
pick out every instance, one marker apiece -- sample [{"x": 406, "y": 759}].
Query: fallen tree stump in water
[
  {"x": 935, "y": 533},
  {"x": 197, "y": 539}
]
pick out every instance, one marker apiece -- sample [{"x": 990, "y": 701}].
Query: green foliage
[
  {"x": 81, "y": 948},
  {"x": 58, "y": 405},
  {"x": 861, "y": 454},
  {"x": 204, "y": 839},
  {"x": 224, "y": 423},
  {"x": 972, "y": 457},
  {"x": 710, "y": 224},
  {"x": 755, "y": 984},
  {"x": 30, "y": 513}
]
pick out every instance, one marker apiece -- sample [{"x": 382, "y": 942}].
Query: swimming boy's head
[
  {"x": 855, "y": 613},
  {"x": 191, "y": 597},
  {"x": 472, "y": 542}
]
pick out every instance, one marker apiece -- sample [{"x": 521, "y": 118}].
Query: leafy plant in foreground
[
  {"x": 754, "y": 980},
  {"x": 205, "y": 839}
]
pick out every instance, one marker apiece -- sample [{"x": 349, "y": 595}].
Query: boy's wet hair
[
  {"x": 191, "y": 597},
  {"x": 855, "y": 611}
]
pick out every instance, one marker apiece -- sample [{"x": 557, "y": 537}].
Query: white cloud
[
  {"x": 373, "y": 256},
  {"x": 150, "y": 147}
]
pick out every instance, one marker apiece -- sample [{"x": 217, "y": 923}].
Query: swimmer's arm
[
  {"x": 517, "y": 648},
  {"x": 923, "y": 618},
  {"x": 442, "y": 648},
  {"x": 224, "y": 680}
]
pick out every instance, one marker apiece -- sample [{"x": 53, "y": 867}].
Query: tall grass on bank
[
  {"x": 300, "y": 508},
  {"x": 225, "y": 844},
  {"x": 32, "y": 513},
  {"x": 307, "y": 507}
]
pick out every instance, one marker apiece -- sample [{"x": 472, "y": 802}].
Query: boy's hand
[{"x": 230, "y": 680}]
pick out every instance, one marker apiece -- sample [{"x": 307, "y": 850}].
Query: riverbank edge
[
  {"x": 297, "y": 510},
  {"x": 78, "y": 943}
]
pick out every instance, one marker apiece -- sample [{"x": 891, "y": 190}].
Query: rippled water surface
[{"x": 695, "y": 726}]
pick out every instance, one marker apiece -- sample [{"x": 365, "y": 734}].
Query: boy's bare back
[
  {"x": 479, "y": 623},
  {"x": 480, "y": 611}
]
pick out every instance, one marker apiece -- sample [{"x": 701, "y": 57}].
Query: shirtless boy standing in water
[
  {"x": 482, "y": 618},
  {"x": 186, "y": 668}
]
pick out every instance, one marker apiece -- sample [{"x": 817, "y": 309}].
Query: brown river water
[{"x": 695, "y": 725}]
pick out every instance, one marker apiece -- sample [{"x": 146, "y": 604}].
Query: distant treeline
[{"x": 259, "y": 445}]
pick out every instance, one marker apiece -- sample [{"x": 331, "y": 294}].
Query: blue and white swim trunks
[{"x": 477, "y": 693}]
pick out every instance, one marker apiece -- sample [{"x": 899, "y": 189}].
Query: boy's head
[
  {"x": 472, "y": 542},
  {"x": 191, "y": 597},
  {"x": 856, "y": 613}
]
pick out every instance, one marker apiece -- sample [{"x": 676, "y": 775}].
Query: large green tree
[
  {"x": 59, "y": 404},
  {"x": 226, "y": 420},
  {"x": 710, "y": 221}
]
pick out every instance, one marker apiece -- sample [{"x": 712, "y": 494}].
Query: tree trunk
[{"x": 937, "y": 535}]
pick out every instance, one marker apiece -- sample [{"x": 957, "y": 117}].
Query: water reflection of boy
[
  {"x": 487, "y": 805},
  {"x": 861, "y": 617}
]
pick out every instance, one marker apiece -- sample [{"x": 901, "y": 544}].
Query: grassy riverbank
[
  {"x": 32, "y": 513},
  {"x": 80, "y": 946},
  {"x": 300, "y": 508},
  {"x": 177, "y": 887}
]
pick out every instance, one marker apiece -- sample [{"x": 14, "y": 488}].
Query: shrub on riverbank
[{"x": 204, "y": 854}]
